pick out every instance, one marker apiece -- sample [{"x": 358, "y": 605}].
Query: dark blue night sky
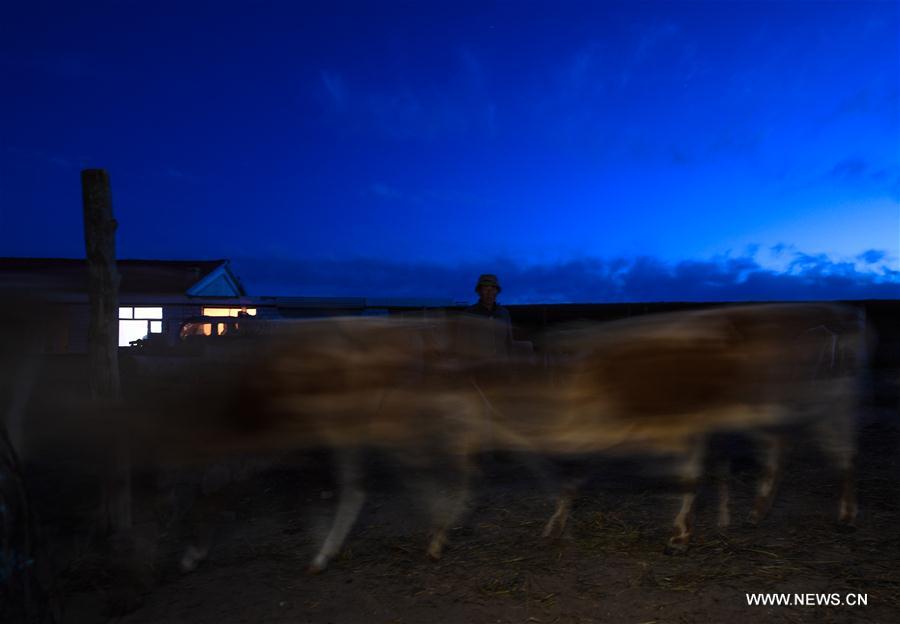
[{"x": 584, "y": 151}]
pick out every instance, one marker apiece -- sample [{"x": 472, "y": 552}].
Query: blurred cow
[
  {"x": 666, "y": 383},
  {"x": 660, "y": 384},
  {"x": 352, "y": 385}
]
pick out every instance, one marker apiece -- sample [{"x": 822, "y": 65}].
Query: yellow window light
[{"x": 228, "y": 311}]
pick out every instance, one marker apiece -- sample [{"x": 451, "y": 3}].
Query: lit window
[
  {"x": 131, "y": 330},
  {"x": 148, "y": 313},
  {"x": 228, "y": 311},
  {"x": 138, "y": 323}
]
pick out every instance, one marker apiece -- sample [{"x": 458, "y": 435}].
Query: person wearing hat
[
  {"x": 488, "y": 287},
  {"x": 494, "y": 338}
]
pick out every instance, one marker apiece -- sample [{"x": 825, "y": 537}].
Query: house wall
[{"x": 67, "y": 332}]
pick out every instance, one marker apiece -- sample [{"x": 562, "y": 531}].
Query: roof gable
[{"x": 218, "y": 283}]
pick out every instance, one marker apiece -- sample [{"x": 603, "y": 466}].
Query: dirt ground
[{"x": 609, "y": 566}]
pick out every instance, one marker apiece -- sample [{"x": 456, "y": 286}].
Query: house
[{"x": 155, "y": 296}]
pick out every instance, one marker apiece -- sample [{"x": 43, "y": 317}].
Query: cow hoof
[
  {"x": 553, "y": 532},
  {"x": 191, "y": 559},
  {"x": 436, "y": 548},
  {"x": 318, "y": 565},
  {"x": 676, "y": 548},
  {"x": 315, "y": 568},
  {"x": 723, "y": 521}
]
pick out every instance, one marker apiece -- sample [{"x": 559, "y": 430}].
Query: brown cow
[
  {"x": 351, "y": 385},
  {"x": 654, "y": 385},
  {"x": 666, "y": 383},
  {"x": 662, "y": 384},
  {"x": 389, "y": 385}
]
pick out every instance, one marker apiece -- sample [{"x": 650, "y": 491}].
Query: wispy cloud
[
  {"x": 859, "y": 172},
  {"x": 45, "y": 158},
  {"x": 444, "y": 198},
  {"x": 872, "y": 256},
  {"x": 334, "y": 87},
  {"x": 386, "y": 191},
  {"x": 402, "y": 109},
  {"x": 180, "y": 174},
  {"x": 653, "y": 37},
  {"x": 850, "y": 168},
  {"x": 868, "y": 101}
]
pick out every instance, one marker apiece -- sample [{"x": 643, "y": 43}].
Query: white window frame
[{"x": 130, "y": 319}]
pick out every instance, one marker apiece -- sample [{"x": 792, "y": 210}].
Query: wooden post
[{"x": 103, "y": 338}]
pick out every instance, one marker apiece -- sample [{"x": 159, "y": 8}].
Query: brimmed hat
[{"x": 488, "y": 279}]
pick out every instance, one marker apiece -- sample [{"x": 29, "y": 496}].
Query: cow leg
[
  {"x": 447, "y": 510},
  {"x": 207, "y": 514},
  {"x": 557, "y": 523},
  {"x": 351, "y": 498},
  {"x": 209, "y": 521},
  {"x": 772, "y": 458},
  {"x": 848, "y": 507},
  {"x": 202, "y": 520},
  {"x": 723, "y": 475},
  {"x": 566, "y": 478},
  {"x": 837, "y": 439},
  {"x": 691, "y": 471}
]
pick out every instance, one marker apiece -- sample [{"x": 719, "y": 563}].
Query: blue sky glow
[{"x": 437, "y": 141}]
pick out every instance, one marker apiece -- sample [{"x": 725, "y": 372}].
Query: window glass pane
[
  {"x": 155, "y": 327},
  {"x": 125, "y": 313},
  {"x": 148, "y": 313},
  {"x": 227, "y": 311},
  {"x": 131, "y": 330}
]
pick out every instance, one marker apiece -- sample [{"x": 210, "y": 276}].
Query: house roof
[{"x": 194, "y": 277}]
